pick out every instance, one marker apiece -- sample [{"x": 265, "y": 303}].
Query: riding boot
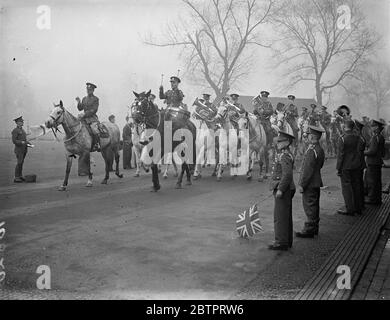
[{"x": 96, "y": 143}]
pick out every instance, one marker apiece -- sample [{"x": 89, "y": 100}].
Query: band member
[
  {"x": 292, "y": 115},
  {"x": 111, "y": 118},
  {"x": 90, "y": 106},
  {"x": 283, "y": 188},
  {"x": 127, "y": 144},
  {"x": 374, "y": 159},
  {"x": 345, "y": 112},
  {"x": 19, "y": 139},
  {"x": 349, "y": 168},
  {"x": 358, "y": 129},
  {"x": 235, "y": 97},
  {"x": 174, "y": 97},
  {"x": 325, "y": 120},
  {"x": 305, "y": 113},
  {"x": 313, "y": 116},
  {"x": 310, "y": 183},
  {"x": 280, "y": 107},
  {"x": 263, "y": 110},
  {"x": 208, "y": 103}
]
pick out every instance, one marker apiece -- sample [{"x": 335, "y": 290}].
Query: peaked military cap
[
  {"x": 91, "y": 85},
  {"x": 344, "y": 107},
  {"x": 19, "y": 119},
  {"x": 234, "y": 95},
  {"x": 264, "y": 93},
  {"x": 174, "y": 78},
  {"x": 291, "y": 97},
  {"x": 284, "y": 136},
  {"x": 359, "y": 124},
  {"x": 377, "y": 123},
  {"x": 313, "y": 105},
  {"x": 206, "y": 95},
  {"x": 111, "y": 117},
  {"x": 315, "y": 130},
  {"x": 324, "y": 107}
]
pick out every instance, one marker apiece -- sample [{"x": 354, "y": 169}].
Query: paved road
[{"x": 121, "y": 241}]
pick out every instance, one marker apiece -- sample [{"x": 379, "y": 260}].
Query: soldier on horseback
[
  {"x": 239, "y": 106},
  {"x": 263, "y": 110},
  {"x": 90, "y": 106},
  {"x": 206, "y": 101},
  {"x": 292, "y": 116},
  {"x": 314, "y": 118},
  {"x": 174, "y": 97}
]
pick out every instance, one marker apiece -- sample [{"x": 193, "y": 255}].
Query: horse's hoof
[
  {"x": 155, "y": 189},
  {"x": 176, "y": 175},
  {"x": 104, "y": 181},
  {"x": 261, "y": 179},
  {"x": 178, "y": 186},
  {"x": 188, "y": 183},
  {"x": 219, "y": 179},
  {"x": 214, "y": 174},
  {"x": 120, "y": 176},
  {"x": 147, "y": 170},
  {"x": 165, "y": 177},
  {"x": 88, "y": 185},
  {"x": 136, "y": 175},
  {"x": 249, "y": 178},
  {"x": 62, "y": 188}
]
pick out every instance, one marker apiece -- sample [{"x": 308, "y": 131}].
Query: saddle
[{"x": 103, "y": 131}]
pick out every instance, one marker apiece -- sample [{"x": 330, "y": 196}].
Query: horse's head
[
  {"x": 56, "y": 116},
  {"x": 280, "y": 117},
  {"x": 142, "y": 107},
  {"x": 243, "y": 122}
]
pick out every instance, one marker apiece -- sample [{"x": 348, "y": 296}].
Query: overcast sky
[{"x": 100, "y": 42}]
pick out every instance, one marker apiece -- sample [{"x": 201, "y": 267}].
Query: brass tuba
[{"x": 202, "y": 111}]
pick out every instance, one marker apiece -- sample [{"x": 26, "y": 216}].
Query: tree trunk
[{"x": 319, "y": 94}]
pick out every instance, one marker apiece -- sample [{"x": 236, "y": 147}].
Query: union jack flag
[{"x": 248, "y": 223}]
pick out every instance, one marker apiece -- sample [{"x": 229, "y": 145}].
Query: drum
[{"x": 178, "y": 114}]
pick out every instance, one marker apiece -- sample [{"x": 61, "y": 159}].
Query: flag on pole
[{"x": 248, "y": 223}]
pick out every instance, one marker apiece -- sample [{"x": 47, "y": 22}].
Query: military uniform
[
  {"x": 127, "y": 146},
  {"x": 283, "y": 181},
  {"x": 374, "y": 159},
  {"x": 291, "y": 118},
  {"x": 19, "y": 138},
  {"x": 325, "y": 120},
  {"x": 173, "y": 98},
  {"x": 264, "y": 110},
  {"x": 311, "y": 182},
  {"x": 362, "y": 148},
  {"x": 349, "y": 168},
  {"x": 314, "y": 118},
  {"x": 90, "y": 106}
]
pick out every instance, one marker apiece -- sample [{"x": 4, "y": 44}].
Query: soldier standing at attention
[
  {"x": 127, "y": 144},
  {"x": 310, "y": 183},
  {"x": 374, "y": 155},
  {"x": 283, "y": 188},
  {"x": 348, "y": 169},
  {"x": 292, "y": 115},
  {"x": 19, "y": 138},
  {"x": 90, "y": 106},
  {"x": 263, "y": 110},
  {"x": 174, "y": 97},
  {"x": 362, "y": 147}
]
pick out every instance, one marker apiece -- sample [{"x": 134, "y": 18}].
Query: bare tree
[
  {"x": 218, "y": 40},
  {"x": 322, "y": 41},
  {"x": 372, "y": 89}
]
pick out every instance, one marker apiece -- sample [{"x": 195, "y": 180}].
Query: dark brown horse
[
  {"x": 146, "y": 113},
  {"x": 78, "y": 141}
]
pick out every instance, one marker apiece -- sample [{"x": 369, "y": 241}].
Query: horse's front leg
[
  {"x": 117, "y": 158},
  {"x": 176, "y": 174},
  {"x": 108, "y": 165},
  {"x": 155, "y": 180},
  {"x": 69, "y": 161},
  {"x": 180, "y": 179}
]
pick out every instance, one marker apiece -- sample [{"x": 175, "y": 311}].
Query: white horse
[
  {"x": 257, "y": 143},
  {"x": 204, "y": 138}
]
